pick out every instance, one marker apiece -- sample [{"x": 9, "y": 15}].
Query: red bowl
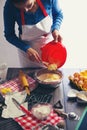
[{"x": 54, "y": 53}]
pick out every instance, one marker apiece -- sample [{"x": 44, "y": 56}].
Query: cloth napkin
[{"x": 12, "y": 111}]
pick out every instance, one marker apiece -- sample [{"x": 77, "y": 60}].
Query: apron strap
[
  {"x": 22, "y": 17},
  {"x": 42, "y": 8}
]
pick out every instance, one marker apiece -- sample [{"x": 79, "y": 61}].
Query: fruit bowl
[{"x": 79, "y": 80}]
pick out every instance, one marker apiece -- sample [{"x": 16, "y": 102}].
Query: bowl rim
[{"x": 45, "y": 70}]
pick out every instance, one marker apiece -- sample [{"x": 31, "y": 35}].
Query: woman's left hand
[{"x": 56, "y": 36}]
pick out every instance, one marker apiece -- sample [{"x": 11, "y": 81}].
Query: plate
[
  {"x": 81, "y": 101},
  {"x": 72, "y": 93},
  {"x": 82, "y": 97}
]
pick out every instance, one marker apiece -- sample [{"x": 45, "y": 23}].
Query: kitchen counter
[{"x": 60, "y": 92}]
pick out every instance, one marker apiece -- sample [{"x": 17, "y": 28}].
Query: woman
[{"x": 38, "y": 23}]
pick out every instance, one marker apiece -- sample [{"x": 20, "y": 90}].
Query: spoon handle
[{"x": 60, "y": 113}]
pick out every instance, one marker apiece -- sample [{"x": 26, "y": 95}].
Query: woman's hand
[
  {"x": 56, "y": 36},
  {"x": 33, "y": 55}
]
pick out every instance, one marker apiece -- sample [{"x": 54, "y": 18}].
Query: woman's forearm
[
  {"x": 14, "y": 40},
  {"x": 57, "y": 15}
]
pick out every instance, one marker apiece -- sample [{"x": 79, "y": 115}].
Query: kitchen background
[{"x": 73, "y": 31}]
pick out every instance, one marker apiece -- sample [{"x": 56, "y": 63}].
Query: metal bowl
[{"x": 51, "y": 82}]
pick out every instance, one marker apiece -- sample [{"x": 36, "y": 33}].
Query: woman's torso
[{"x": 32, "y": 18}]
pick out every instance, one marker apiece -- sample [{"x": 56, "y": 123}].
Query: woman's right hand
[
  {"x": 33, "y": 55},
  {"x": 56, "y": 36}
]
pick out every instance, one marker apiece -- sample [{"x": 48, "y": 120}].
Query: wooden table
[{"x": 59, "y": 94}]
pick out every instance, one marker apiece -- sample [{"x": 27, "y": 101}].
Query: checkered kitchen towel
[
  {"x": 15, "y": 85},
  {"x": 30, "y": 122}
]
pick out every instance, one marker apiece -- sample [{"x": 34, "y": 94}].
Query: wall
[
  {"x": 73, "y": 31},
  {"x": 8, "y": 53}
]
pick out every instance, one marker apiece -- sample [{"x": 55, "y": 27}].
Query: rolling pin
[{"x": 24, "y": 81}]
